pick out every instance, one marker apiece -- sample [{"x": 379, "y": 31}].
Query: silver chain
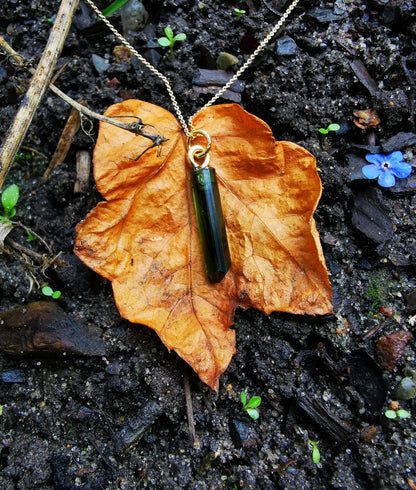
[{"x": 156, "y": 72}]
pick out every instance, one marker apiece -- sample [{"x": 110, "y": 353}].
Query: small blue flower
[{"x": 386, "y": 168}]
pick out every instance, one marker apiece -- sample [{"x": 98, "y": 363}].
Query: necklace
[{"x": 204, "y": 184}]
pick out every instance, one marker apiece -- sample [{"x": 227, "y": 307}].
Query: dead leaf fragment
[
  {"x": 366, "y": 119},
  {"x": 144, "y": 237},
  {"x": 43, "y": 327}
]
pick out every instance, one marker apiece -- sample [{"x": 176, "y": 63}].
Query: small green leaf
[
  {"x": 254, "y": 402},
  {"x": 113, "y": 7},
  {"x": 316, "y": 456},
  {"x": 334, "y": 127},
  {"x": 243, "y": 398},
  {"x": 323, "y": 131},
  {"x": 30, "y": 237},
  {"x": 180, "y": 37},
  {"x": 390, "y": 414},
  {"x": 164, "y": 41},
  {"x": 9, "y": 199},
  {"x": 47, "y": 291},
  {"x": 1, "y": 409},
  {"x": 169, "y": 33},
  {"x": 254, "y": 414},
  {"x": 403, "y": 414},
  {"x": 56, "y": 294}
]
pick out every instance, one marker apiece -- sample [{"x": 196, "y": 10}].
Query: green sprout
[
  {"x": 332, "y": 127},
  {"x": 48, "y": 291},
  {"x": 170, "y": 39},
  {"x": 9, "y": 199},
  {"x": 250, "y": 406},
  {"x": 239, "y": 13},
  {"x": 113, "y": 7},
  {"x": 30, "y": 237},
  {"x": 316, "y": 456},
  {"x": 399, "y": 414}
]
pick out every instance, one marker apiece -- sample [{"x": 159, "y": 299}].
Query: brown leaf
[{"x": 145, "y": 239}]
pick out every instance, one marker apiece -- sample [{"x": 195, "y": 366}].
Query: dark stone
[
  {"x": 404, "y": 186},
  {"x": 323, "y": 16},
  {"x": 217, "y": 78},
  {"x": 370, "y": 216},
  {"x": 13, "y": 376},
  {"x": 228, "y": 94},
  {"x": 241, "y": 431},
  {"x": 398, "y": 142},
  {"x": 43, "y": 327}
]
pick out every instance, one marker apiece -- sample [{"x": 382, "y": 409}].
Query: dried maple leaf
[{"x": 144, "y": 238}]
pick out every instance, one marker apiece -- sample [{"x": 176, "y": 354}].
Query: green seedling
[
  {"x": 250, "y": 406},
  {"x": 316, "y": 456},
  {"x": 239, "y": 13},
  {"x": 113, "y": 7},
  {"x": 397, "y": 414},
  {"x": 9, "y": 199},
  {"x": 30, "y": 237},
  {"x": 48, "y": 291},
  {"x": 332, "y": 127},
  {"x": 170, "y": 39}
]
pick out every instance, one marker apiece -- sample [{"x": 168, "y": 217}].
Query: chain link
[{"x": 188, "y": 127}]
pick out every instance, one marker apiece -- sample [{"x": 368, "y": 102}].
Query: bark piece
[
  {"x": 329, "y": 422},
  {"x": 83, "y": 172},
  {"x": 70, "y": 130}
]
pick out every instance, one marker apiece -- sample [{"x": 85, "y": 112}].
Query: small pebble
[
  {"x": 406, "y": 389},
  {"x": 134, "y": 16},
  {"x": 286, "y": 47},
  {"x": 100, "y": 64},
  {"x": 226, "y": 61}
]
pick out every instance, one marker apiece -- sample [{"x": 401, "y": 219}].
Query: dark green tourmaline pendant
[{"x": 210, "y": 223}]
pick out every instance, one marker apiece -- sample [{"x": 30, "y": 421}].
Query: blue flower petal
[
  {"x": 371, "y": 171},
  {"x": 375, "y": 159},
  {"x": 401, "y": 169},
  {"x": 395, "y": 157},
  {"x": 386, "y": 179}
]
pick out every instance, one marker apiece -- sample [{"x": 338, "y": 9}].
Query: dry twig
[{"x": 37, "y": 86}]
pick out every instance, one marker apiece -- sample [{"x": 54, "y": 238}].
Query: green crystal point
[{"x": 211, "y": 224}]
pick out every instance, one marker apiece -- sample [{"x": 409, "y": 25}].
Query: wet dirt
[{"x": 119, "y": 420}]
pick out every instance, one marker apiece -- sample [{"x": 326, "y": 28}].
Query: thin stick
[
  {"x": 37, "y": 86},
  {"x": 135, "y": 127},
  {"x": 189, "y": 409}
]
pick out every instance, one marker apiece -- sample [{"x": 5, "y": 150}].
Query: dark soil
[{"x": 119, "y": 420}]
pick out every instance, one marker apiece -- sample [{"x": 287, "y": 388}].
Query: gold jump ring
[{"x": 201, "y": 153}]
